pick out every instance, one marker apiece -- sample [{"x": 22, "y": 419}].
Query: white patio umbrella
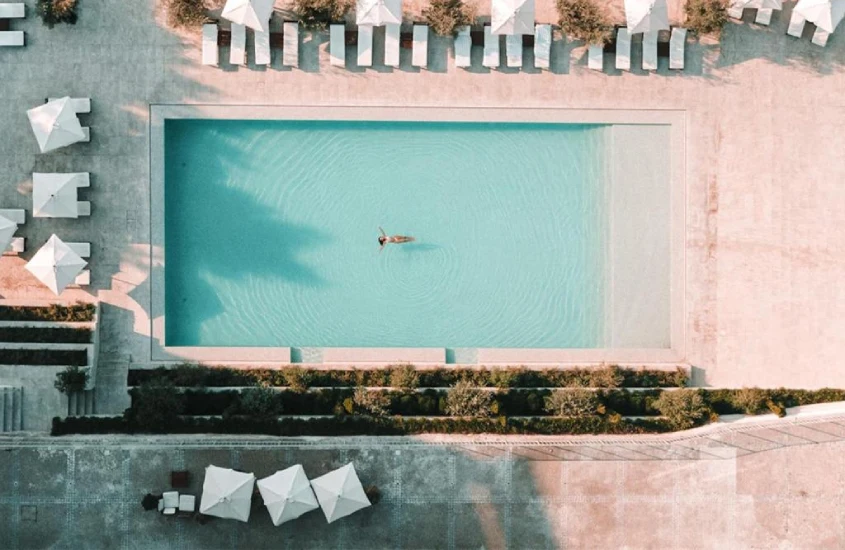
[
  {"x": 55, "y": 124},
  {"x": 758, "y": 4},
  {"x": 287, "y": 494},
  {"x": 378, "y": 12},
  {"x": 226, "y": 493},
  {"x": 826, "y": 14},
  {"x": 7, "y": 231},
  {"x": 340, "y": 493},
  {"x": 255, "y": 14},
  {"x": 646, "y": 15},
  {"x": 54, "y": 195},
  {"x": 56, "y": 265},
  {"x": 512, "y": 17}
]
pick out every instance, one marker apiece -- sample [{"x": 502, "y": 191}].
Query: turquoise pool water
[{"x": 271, "y": 234}]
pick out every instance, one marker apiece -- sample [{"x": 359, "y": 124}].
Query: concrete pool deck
[
  {"x": 773, "y": 485},
  {"x": 765, "y": 253}
]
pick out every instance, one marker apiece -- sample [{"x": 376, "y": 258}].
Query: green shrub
[
  {"x": 71, "y": 380},
  {"x": 156, "y": 406},
  {"x": 776, "y": 408},
  {"x": 465, "y": 400},
  {"x": 186, "y": 14},
  {"x": 53, "y": 12},
  {"x": 296, "y": 378},
  {"x": 606, "y": 376},
  {"x": 584, "y": 20},
  {"x": 260, "y": 402},
  {"x": 76, "y": 313},
  {"x": 706, "y": 16},
  {"x": 318, "y": 14},
  {"x": 445, "y": 16},
  {"x": 577, "y": 403},
  {"x": 505, "y": 378},
  {"x": 373, "y": 403},
  {"x": 45, "y": 335},
  {"x": 44, "y": 357},
  {"x": 750, "y": 400},
  {"x": 683, "y": 409},
  {"x": 404, "y": 377}
]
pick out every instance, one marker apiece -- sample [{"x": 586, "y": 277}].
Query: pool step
[{"x": 11, "y": 409}]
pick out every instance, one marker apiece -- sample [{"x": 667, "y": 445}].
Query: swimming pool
[{"x": 271, "y": 234}]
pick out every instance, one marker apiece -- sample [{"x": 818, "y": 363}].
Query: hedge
[
  {"x": 45, "y": 335},
  {"x": 43, "y": 357},
  {"x": 76, "y": 313},
  {"x": 364, "y": 425},
  {"x": 429, "y": 402},
  {"x": 188, "y": 375}
]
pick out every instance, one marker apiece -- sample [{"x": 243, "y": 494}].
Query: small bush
[
  {"x": 297, "y": 379},
  {"x": 706, "y": 16},
  {"x": 680, "y": 378},
  {"x": 683, "y": 409},
  {"x": 186, "y": 14},
  {"x": 750, "y": 400},
  {"x": 404, "y": 377},
  {"x": 606, "y": 376},
  {"x": 504, "y": 378},
  {"x": 373, "y": 494},
  {"x": 71, "y": 380},
  {"x": 156, "y": 405},
  {"x": 53, "y": 12},
  {"x": 584, "y": 20},
  {"x": 372, "y": 403},
  {"x": 465, "y": 400},
  {"x": 445, "y": 16},
  {"x": 260, "y": 402},
  {"x": 318, "y": 14},
  {"x": 776, "y": 408},
  {"x": 150, "y": 502},
  {"x": 76, "y": 313},
  {"x": 574, "y": 403}
]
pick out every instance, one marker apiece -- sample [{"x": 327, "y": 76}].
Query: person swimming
[{"x": 397, "y": 239}]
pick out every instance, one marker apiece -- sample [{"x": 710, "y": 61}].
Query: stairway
[
  {"x": 82, "y": 403},
  {"x": 11, "y": 409}
]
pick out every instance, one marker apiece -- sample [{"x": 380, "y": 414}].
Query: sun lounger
[
  {"x": 513, "y": 50},
  {"x": 187, "y": 503},
  {"x": 237, "y": 49},
  {"x": 796, "y": 25},
  {"x": 735, "y": 10},
  {"x": 262, "y": 48},
  {"x": 18, "y": 216},
  {"x": 650, "y": 50},
  {"x": 677, "y": 48},
  {"x": 365, "y": 46},
  {"x": 595, "y": 57},
  {"x": 170, "y": 502},
  {"x": 11, "y": 38},
  {"x": 81, "y": 105},
  {"x": 764, "y": 16},
  {"x": 391, "y": 45},
  {"x": 623, "y": 49},
  {"x": 820, "y": 37},
  {"x": 290, "y": 53},
  {"x": 419, "y": 56},
  {"x": 491, "y": 48},
  {"x": 210, "y": 52},
  {"x": 542, "y": 46},
  {"x": 463, "y": 47},
  {"x": 337, "y": 45},
  {"x": 12, "y": 11}
]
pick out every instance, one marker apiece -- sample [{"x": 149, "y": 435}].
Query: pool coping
[{"x": 676, "y": 119}]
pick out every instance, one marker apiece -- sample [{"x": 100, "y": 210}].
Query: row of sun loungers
[
  {"x": 796, "y": 23},
  {"x": 7, "y": 13},
  {"x": 213, "y": 38},
  {"x": 650, "y": 45}
]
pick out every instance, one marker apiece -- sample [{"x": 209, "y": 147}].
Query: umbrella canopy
[
  {"x": 56, "y": 265},
  {"x": 226, "y": 493},
  {"x": 378, "y": 12},
  {"x": 54, "y": 195},
  {"x": 340, "y": 493},
  {"x": 7, "y": 231},
  {"x": 512, "y": 17},
  {"x": 826, "y": 14},
  {"x": 646, "y": 15},
  {"x": 287, "y": 494},
  {"x": 255, "y": 14},
  {"x": 55, "y": 124}
]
